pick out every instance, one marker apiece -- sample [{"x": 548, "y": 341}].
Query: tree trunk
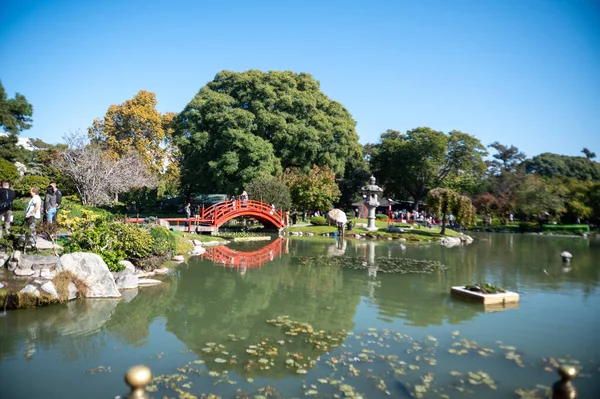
[{"x": 444, "y": 211}]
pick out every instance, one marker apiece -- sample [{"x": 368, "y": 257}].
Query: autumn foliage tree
[
  {"x": 445, "y": 202},
  {"x": 316, "y": 189},
  {"x": 137, "y": 125}
]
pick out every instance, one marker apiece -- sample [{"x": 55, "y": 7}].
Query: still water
[{"x": 401, "y": 335}]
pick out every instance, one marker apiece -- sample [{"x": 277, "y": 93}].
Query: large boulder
[
  {"x": 49, "y": 289},
  {"x": 37, "y": 262},
  {"x": 91, "y": 269},
  {"x": 127, "y": 282},
  {"x": 129, "y": 267},
  {"x": 450, "y": 241}
]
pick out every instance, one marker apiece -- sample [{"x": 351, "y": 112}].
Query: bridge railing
[{"x": 225, "y": 209}]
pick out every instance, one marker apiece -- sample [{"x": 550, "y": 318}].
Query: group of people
[{"x": 35, "y": 208}]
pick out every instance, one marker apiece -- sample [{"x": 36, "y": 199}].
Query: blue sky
[{"x": 522, "y": 72}]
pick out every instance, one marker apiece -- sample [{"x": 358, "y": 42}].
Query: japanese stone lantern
[{"x": 371, "y": 191}]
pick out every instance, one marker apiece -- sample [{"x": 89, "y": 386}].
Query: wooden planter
[{"x": 500, "y": 298}]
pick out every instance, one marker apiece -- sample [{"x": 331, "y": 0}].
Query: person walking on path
[
  {"x": 58, "y": 200},
  {"x": 33, "y": 214},
  {"x": 7, "y": 197},
  {"x": 50, "y": 205}
]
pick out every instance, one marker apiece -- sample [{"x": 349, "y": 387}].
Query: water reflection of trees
[
  {"x": 71, "y": 328},
  {"x": 210, "y": 304}
]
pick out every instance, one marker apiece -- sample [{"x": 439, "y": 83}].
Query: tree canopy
[
  {"x": 445, "y": 202},
  {"x": 313, "y": 190},
  {"x": 411, "y": 164},
  {"x": 549, "y": 165},
  {"x": 15, "y": 113},
  {"x": 243, "y": 124}
]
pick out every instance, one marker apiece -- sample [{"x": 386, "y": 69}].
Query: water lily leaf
[
  {"x": 301, "y": 371},
  {"x": 220, "y": 360}
]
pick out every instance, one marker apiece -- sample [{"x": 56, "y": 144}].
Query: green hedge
[
  {"x": 318, "y": 221},
  {"x": 381, "y": 216}
]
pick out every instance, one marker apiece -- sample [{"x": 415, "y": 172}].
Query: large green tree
[
  {"x": 550, "y": 165},
  {"x": 245, "y": 123},
  {"x": 411, "y": 164},
  {"x": 15, "y": 116}
]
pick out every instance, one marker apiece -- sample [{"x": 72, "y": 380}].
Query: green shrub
[
  {"x": 381, "y": 216},
  {"x": 566, "y": 228},
  {"x": 19, "y": 204},
  {"x": 23, "y": 186},
  {"x": 164, "y": 241},
  {"x": 318, "y": 221},
  {"x": 8, "y": 171},
  {"x": 112, "y": 240},
  {"x": 133, "y": 240}
]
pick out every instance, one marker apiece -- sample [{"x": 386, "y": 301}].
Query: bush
[
  {"x": 19, "y": 204},
  {"x": 164, "y": 241},
  {"x": 380, "y": 216},
  {"x": 318, "y": 221},
  {"x": 8, "y": 171},
  {"x": 133, "y": 240},
  {"x": 112, "y": 240},
  {"x": 23, "y": 186},
  {"x": 566, "y": 228}
]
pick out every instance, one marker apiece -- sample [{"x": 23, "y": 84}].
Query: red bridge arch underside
[{"x": 248, "y": 259}]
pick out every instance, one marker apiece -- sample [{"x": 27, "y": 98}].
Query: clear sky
[{"x": 522, "y": 72}]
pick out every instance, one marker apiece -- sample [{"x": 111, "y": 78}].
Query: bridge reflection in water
[{"x": 243, "y": 260}]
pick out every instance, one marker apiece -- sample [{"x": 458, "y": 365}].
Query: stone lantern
[{"x": 371, "y": 191}]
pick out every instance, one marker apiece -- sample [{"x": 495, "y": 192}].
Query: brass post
[
  {"x": 563, "y": 389},
  {"x": 137, "y": 377}
]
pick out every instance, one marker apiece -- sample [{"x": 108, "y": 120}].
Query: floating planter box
[
  {"x": 499, "y": 298},
  {"x": 499, "y": 307}
]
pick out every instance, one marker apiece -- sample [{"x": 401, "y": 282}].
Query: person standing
[
  {"x": 33, "y": 213},
  {"x": 58, "y": 200},
  {"x": 50, "y": 205},
  {"x": 244, "y": 198},
  {"x": 188, "y": 211},
  {"x": 7, "y": 197}
]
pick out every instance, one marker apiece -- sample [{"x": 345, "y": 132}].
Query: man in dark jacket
[
  {"x": 58, "y": 200},
  {"x": 6, "y": 199}
]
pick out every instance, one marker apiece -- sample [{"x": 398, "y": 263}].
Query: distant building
[{"x": 24, "y": 142}]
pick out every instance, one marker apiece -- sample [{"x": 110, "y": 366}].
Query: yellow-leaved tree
[{"x": 137, "y": 124}]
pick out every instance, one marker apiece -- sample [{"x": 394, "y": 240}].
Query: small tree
[
  {"x": 315, "y": 190},
  {"x": 270, "y": 190},
  {"x": 99, "y": 178},
  {"x": 445, "y": 202}
]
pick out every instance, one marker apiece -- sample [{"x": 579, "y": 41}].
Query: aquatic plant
[{"x": 484, "y": 288}]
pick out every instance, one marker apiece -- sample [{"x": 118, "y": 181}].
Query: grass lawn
[
  {"x": 199, "y": 237},
  {"x": 411, "y": 234}
]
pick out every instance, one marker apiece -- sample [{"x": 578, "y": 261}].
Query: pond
[{"x": 278, "y": 319}]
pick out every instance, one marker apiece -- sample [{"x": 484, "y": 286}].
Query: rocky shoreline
[{"x": 58, "y": 279}]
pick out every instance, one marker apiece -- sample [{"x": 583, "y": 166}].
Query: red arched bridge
[
  {"x": 214, "y": 216},
  {"x": 243, "y": 260}
]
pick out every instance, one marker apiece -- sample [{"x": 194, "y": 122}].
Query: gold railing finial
[
  {"x": 564, "y": 389},
  {"x": 137, "y": 377}
]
